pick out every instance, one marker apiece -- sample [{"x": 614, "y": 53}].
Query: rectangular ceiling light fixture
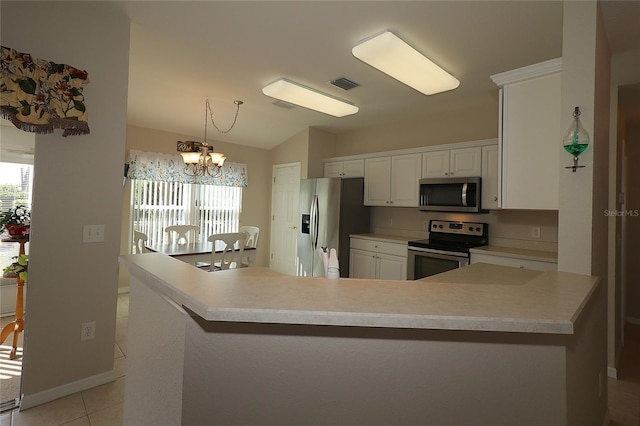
[
  {"x": 391, "y": 55},
  {"x": 297, "y": 94}
]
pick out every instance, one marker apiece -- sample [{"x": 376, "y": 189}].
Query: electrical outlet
[
  {"x": 535, "y": 232},
  {"x": 88, "y": 331},
  {"x": 93, "y": 233}
]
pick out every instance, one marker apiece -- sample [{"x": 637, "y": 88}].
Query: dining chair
[
  {"x": 230, "y": 249},
  {"x": 139, "y": 238},
  {"x": 180, "y": 232},
  {"x": 253, "y": 232}
]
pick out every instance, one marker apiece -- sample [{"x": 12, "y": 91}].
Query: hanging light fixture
[
  {"x": 199, "y": 158},
  {"x": 576, "y": 139}
]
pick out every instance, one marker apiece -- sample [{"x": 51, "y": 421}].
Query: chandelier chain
[{"x": 210, "y": 113}]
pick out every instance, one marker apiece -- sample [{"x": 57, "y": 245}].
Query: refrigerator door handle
[{"x": 313, "y": 228}]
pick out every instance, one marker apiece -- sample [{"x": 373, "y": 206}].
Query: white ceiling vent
[{"x": 344, "y": 83}]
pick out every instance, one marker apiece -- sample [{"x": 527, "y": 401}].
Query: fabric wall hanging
[
  {"x": 40, "y": 96},
  {"x": 169, "y": 168}
]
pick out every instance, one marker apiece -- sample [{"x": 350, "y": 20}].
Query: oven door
[{"x": 422, "y": 263}]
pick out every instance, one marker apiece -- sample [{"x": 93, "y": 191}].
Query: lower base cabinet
[{"x": 375, "y": 259}]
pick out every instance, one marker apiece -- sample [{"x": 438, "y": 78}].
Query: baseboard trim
[
  {"x": 30, "y": 401},
  {"x": 122, "y": 290},
  {"x": 632, "y": 320}
]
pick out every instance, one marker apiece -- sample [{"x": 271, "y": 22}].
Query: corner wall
[{"x": 77, "y": 181}]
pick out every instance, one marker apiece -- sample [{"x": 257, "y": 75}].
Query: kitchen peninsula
[{"x": 484, "y": 344}]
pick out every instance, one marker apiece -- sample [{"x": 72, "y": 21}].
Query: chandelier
[{"x": 199, "y": 158}]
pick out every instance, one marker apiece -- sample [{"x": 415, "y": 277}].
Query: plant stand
[{"x": 16, "y": 326}]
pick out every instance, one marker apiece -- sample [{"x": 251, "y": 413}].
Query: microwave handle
[{"x": 464, "y": 195}]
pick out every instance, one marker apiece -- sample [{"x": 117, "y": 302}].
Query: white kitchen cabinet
[
  {"x": 344, "y": 169},
  {"x": 490, "y": 187},
  {"x": 392, "y": 181},
  {"x": 530, "y": 135},
  {"x": 462, "y": 162},
  {"x": 375, "y": 259}
]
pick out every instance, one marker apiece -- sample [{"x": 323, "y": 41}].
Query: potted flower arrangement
[
  {"x": 16, "y": 220},
  {"x": 18, "y": 268}
]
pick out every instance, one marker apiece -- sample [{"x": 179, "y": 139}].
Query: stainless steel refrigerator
[{"x": 330, "y": 210}]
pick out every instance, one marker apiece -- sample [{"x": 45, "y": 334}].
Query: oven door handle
[{"x": 439, "y": 254}]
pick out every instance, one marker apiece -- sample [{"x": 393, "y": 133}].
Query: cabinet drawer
[
  {"x": 397, "y": 249},
  {"x": 514, "y": 261}
]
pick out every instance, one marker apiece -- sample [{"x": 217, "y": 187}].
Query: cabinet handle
[
  {"x": 495, "y": 198},
  {"x": 446, "y": 174}
]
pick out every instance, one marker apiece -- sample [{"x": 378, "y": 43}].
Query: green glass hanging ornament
[{"x": 575, "y": 140}]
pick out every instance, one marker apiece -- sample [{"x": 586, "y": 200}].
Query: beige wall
[
  {"x": 295, "y": 149},
  {"x": 77, "y": 181},
  {"x": 255, "y": 198},
  {"x": 473, "y": 122}
]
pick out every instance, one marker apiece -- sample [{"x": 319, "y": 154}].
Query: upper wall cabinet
[
  {"x": 344, "y": 169},
  {"x": 490, "y": 167},
  {"x": 529, "y": 136},
  {"x": 392, "y": 181},
  {"x": 462, "y": 162}
]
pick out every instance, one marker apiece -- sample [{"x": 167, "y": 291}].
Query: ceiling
[{"x": 184, "y": 51}]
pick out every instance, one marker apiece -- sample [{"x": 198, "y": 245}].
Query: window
[
  {"x": 16, "y": 187},
  {"x": 156, "y": 205}
]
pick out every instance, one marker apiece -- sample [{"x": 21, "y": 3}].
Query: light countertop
[
  {"x": 477, "y": 297},
  {"x": 385, "y": 237},
  {"x": 518, "y": 253}
]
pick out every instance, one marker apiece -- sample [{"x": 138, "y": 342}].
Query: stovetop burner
[{"x": 453, "y": 236}]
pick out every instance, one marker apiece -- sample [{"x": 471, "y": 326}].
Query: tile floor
[{"x": 103, "y": 405}]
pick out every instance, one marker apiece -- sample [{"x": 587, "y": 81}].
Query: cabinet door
[
  {"x": 530, "y": 143},
  {"x": 465, "y": 162},
  {"x": 391, "y": 267},
  {"x": 435, "y": 164},
  {"x": 333, "y": 169},
  {"x": 353, "y": 168},
  {"x": 377, "y": 181},
  {"x": 405, "y": 180},
  {"x": 362, "y": 264},
  {"x": 490, "y": 177}
]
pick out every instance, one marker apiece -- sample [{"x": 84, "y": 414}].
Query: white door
[
  {"x": 362, "y": 264},
  {"x": 435, "y": 164},
  {"x": 284, "y": 217},
  {"x": 405, "y": 178},
  {"x": 465, "y": 162},
  {"x": 377, "y": 181},
  {"x": 392, "y": 267}
]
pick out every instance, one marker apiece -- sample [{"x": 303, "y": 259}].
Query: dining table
[{"x": 196, "y": 252}]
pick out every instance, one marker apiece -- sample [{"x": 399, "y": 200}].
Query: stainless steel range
[{"x": 447, "y": 247}]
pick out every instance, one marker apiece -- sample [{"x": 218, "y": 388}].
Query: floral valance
[
  {"x": 170, "y": 168},
  {"x": 39, "y": 95}
]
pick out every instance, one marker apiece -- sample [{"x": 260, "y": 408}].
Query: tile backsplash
[{"x": 507, "y": 228}]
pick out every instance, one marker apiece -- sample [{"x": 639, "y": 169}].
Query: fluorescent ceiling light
[
  {"x": 388, "y": 53},
  {"x": 294, "y": 93}
]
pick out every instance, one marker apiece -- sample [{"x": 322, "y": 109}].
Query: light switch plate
[{"x": 93, "y": 234}]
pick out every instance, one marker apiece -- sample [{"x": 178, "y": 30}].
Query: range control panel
[{"x": 459, "y": 228}]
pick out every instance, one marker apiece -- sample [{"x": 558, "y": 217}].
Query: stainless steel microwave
[{"x": 458, "y": 194}]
